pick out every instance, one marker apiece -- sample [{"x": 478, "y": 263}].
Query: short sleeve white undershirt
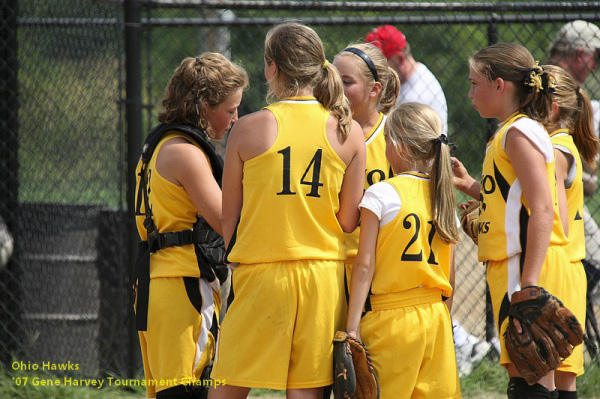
[
  {"x": 573, "y": 170},
  {"x": 383, "y": 200},
  {"x": 537, "y": 134}
]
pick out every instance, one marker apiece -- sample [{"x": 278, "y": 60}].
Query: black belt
[
  {"x": 142, "y": 272},
  {"x": 175, "y": 239}
]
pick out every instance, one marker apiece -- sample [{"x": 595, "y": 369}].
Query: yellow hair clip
[{"x": 533, "y": 79}]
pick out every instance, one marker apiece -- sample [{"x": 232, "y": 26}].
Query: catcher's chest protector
[{"x": 201, "y": 233}]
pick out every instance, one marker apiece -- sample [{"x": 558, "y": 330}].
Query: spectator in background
[
  {"x": 576, "y": 49},
  {"x": 418, "y": 83},
  {"x": 6, "y": 244}
]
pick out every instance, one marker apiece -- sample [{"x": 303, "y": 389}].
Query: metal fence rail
[{"x": 80, "y": 86}]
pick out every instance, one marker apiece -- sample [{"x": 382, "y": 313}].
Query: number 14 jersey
[{"x": 291, "y": 191}]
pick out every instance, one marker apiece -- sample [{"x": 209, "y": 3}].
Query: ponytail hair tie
[
  {"x": 198, "y": 61},
  {"x": 325, "y": 63},
  {"x": 533, "y": 78},
  {"x": 548, "y": 83},
  {"x": 442, "y": 139}
]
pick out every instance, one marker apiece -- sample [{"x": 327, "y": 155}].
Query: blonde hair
[
  {"x": 387, "y": 76},
  {"x": 575, "y": 113},
  {"x": 208, "y": 79},
  {"x": 416, "y": 130},
  {"x": 513, "y": 63},
  {"x": 298, "y": 53}
]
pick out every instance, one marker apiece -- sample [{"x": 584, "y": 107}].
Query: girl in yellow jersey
[
  {"x": 405, "y": 262},
  {"x": 572, "y": 134},
  {"x": 372, "y": 88},
  {"x": 181, "y": 308},
  {"x": 520, "y": 232},
  {"x": 293, "y": 179}
]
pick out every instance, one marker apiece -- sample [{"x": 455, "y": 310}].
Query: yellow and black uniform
[
  {"x": 182, "y": 308},
  {"x": 563, "y": 141},
  {"x": 289, "y": 244},
  {"x": 573, "y": 298},
  {"x": 405, "y": 316},
  {"x": 503, "y": 219},
  {"x": 378, "y": 169}
]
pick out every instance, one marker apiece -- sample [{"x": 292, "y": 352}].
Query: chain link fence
[{"x": 68, "y": 118}]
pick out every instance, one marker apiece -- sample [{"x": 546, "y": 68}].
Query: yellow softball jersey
[
  {"x": 563, "y": 141},
  {"x": 378, "y": 169},
  {"x": 291, "y": 191},
  {"x": 172, "y": 210},
  {"x": 409, "y": 253},
  {"x": 504, "y": 213}
]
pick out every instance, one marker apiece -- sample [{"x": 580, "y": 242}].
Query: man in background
[{"x": 418, "y": 83}]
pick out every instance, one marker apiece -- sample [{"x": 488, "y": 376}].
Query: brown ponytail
[
  {"x": 575, "y": 113},
  {"x": 306, "y": 68}
]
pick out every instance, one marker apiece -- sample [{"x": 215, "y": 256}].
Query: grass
[{"x": 488, "y": 381}]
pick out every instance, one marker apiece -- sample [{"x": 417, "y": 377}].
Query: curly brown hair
[{"x": 206, "y": 80}]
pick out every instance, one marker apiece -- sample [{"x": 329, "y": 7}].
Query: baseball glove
[
  {"x": 469, "y": 220},
  {"x": 353, "y": 373},
  {"x": 549, "y": 332}
]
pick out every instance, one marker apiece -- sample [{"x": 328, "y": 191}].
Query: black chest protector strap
[{"x": 208, "y": 245}]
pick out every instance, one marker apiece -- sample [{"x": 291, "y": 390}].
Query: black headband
[{"x": 365, "y": 58}]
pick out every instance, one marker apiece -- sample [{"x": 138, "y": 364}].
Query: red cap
[{"x": 389, "y": 39}]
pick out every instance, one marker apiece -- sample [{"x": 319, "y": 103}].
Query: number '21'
[
  {"x": 418, "y": 257},
  {"x": 315, "y": 164}
]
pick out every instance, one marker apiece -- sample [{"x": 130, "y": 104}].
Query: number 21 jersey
[{"x": 291, "y": 191}]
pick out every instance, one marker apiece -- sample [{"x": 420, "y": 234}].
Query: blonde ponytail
[{"x": 417, "y": 129}]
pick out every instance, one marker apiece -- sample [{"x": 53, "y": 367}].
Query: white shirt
[
  {"x": 537, "y": 134},
  {"x": 422, "y": 87},
  {"x": 383, "y": 200}
]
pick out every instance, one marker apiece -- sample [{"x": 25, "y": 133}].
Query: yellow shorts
[
  {"x": 279, "y": 329},
  {"x": 558, "y": 277},
  {"x": 409, "y": 337},
  {"x": 178, "y": 343},
  {"x": 574, "y": 300}
]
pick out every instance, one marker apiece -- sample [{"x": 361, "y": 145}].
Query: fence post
[
  {"x": 114, "y": 293},
  {"x": 133, "y": 117},
  {"x": 10, "y": 317},
  {"x": 490, "y": 128}
]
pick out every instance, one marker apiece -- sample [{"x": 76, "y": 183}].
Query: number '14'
[{"x": 315, "y": 165}]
